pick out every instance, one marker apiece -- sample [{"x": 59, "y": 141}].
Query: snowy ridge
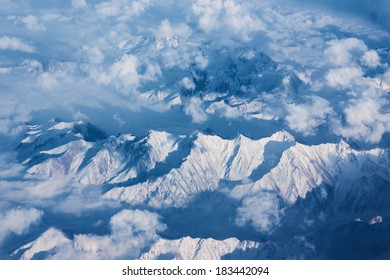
[
  {"x": 163, "y": 170},
  {"x": 264, "y": 182},
  {"x": 188, "y": 248},
  {"x": 47, "y": 242},
  {"x": 303, "y": 168},
  {"x": 210, "y": 160},
  {"x": 241, "y": 76},
  {"x": 94, "y": 161}
]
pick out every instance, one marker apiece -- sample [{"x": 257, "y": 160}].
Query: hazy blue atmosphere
[{"x": 226, "y": 129}]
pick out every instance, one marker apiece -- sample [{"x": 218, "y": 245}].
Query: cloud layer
[
  {"x": 319, "y": 69},
  {"x": 102, "y": 63},
  {"x": 18, "y": 221},
  {"x": 131, "y": 232}
]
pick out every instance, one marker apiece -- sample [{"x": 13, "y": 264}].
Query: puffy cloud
[
  {"x": 77, "y": 4},
  {"x": 344, "y": 77},
  {"x": 201, "y": 61},
  {"x": 366, "y": 117},
  {"x": 122, "y": 75},
  {"x": 166, "y": 29},
  {"x": 377, "y": 12},
  {"x": 48, "y": 81},
  {"x": 223, "y": 109},
  {"x": 125, "y": 70},
  {"x": 137, "y": 7},
  {"x": 208, "y": 12},
  {"x": 126, "y": 76},
  {"x": 122, "y": 9},
  {"x": 371, "y": 59},
  {"x": 42, "y": 190},
  {"x": 32, "y": 23},
  {"x": 93, "y": 54},
  {"x": 131, "y": 232},
  {"x": 18, "y": 221},
  {"x": 226, "y": 15},
  {"x": 306, "y": 117},
  {"x": 188, "y": 83},
  {"x": 151, "y": 74},
  {"x": 193, "y": 108},
  {"x": 341, "y": 52},
  {"x": 14, "y": 44},
  {"x": 262, "y": 211},
  {"x": 108, "y": 9}
]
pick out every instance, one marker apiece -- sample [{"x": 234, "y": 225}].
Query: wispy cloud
[
  {"x": 263, "y": 212},
  {"x": 131, "y": 232},
  {"x": 307, "y": 117},
  {"x": 15, "y": 44},
  {"x": 18, "y": 221}
]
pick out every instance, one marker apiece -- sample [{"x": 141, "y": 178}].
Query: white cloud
[
  {"x": 262, "y": 211},
  {"x": 188, "y": 83},
  {"x": 77, "y": 4},
  {"x": 78, "y": 116},
  {"x": 193, "y": 108},
  {"x": 137, "y": 7},
  {"x": 124, "y": 72},
  {"x": 32, "y": 23},
  {"x": 223, "y": 109},
  {"x": 41, "y": 190},
  {"x": 152, "y": 73},
  {"x": 122, "y": 9},
  {"x": 94, "y": 55},
  {"x": 344, "y": 77},
  {"x": 367, "y": 118},
  {"x": 306, "y": 117},
  {"x": 377, "y": 12},
  {"x": 226, "y": 15},
  {"x": 122, "y": 75},
  {"x": 18, "y": 221},
  {"x": 341, "y": 52},
  {"x": 201, "y": 61},
  {"x": 131, "y": 232},
  {"x": 371, "y": 59},
  {"x": 241, "y": 20},
  {"x": 8, "y": 167},
  {"x": 107, "y": 9},
  {"x": 166, "y": 30},
  {"x": 173, "y": 58},
  {"x": 208, "y": 12},
  {"x": 48, "y": 81},
  {"x": 14, "y": 44}
]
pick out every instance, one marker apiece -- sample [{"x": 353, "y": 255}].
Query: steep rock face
[
  {"x": 210, "y": 160},
  {"x": 268, "y": 184},
  {"x": 303, "y": 168},
  {"x": 72, "y": 148},
  {"x": 62, "y": 160},
  {"x": 123, "y": 158},
  {"x": 166, "y": 170}
]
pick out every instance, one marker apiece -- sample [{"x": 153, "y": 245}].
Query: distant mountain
[{"x": 326, "y": 184}]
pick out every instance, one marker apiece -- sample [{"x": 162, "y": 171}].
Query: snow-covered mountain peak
[
  {"x": 188, "y": 248},
  {"x": 282, "y": 136},
  {"x": 46, "y": 243},
  {"x": 145, "y": 45},
  {"x": 63, "y": 125}
]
